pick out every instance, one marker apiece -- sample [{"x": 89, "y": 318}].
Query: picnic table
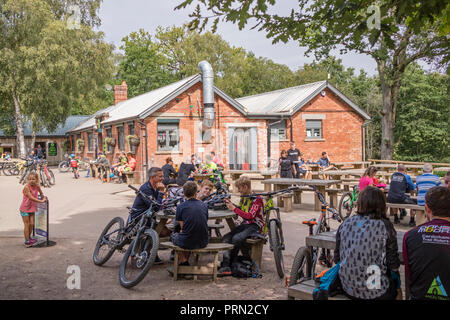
[
  {"x": 389, "y": 166},
  {"x": 228, "y": 215},
  {"x": 282, "y": 183},
  {"x": 236, "y": 174},
  {"x": 200, "y": 176},
  {"x": 352, "y": 164},
  {"x": 327, "y": 240},
  {"x": 441, "y": 169}
]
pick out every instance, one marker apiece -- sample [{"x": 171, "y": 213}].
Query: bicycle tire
[
  {"x": 63, "y": 166},
  {"x": 145, "y": 239},
  {"x": 7, "y": 169},
  {"x": 301, "y": 267},
  {"x": 100, "y": 242},
  {"x": 344, "y": 211},
  {"x": 43, "y": 179},
  {"x": 275, "y": 244},
  {"x": 52, "y": 179},
  {"x": 24, "y": 176}
]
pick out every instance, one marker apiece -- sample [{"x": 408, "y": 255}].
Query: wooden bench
[
  {"x": 304, "y": 291},
  {"x": 419, "y": 210},
  {"x": 211, "y": 248},
  {"x": 130, "y": 177},
  {"x": 254, "y": 249}
]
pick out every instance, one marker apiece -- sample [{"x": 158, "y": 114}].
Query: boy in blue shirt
[
  {"x": 425, "y": 182},
  {"x": 192, "y": 215},
  {"x": 324, "y": 164}
]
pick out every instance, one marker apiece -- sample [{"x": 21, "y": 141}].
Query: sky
[{"x": 120, "y": 18}]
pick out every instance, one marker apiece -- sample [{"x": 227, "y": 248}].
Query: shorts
[
  {"x": 302, "y": 171},
  {"x": 26, "y": 214}
]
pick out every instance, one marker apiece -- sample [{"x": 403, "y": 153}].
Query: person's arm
[
  {"x": 392, "y": 260},
  {"x": 411, "y": 185},
  {"x": 254, "y": 209}
]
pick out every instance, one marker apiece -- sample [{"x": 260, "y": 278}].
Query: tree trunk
[
  {"x": 33, "y": 137},
  {"x": 19, "y": 128}
]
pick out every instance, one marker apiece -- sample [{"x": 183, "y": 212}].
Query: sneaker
[
  {"x": 28, "y": 244},
  {"x": 224, "y": 271},
  {"x": 396, "y": 220},
  {"x": 32, "y": 241}
]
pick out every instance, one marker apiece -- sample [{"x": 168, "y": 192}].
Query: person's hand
[
  {"x": 44, "y": 198},
  {"x": 230, "y": 205}
]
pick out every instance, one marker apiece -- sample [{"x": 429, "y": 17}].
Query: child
[
  {"x": 193, "y": 218},
  {"x": 74, "y": 165},
  {"x": 325, "y": 164},
  {"x": 29, "y": 206},
  {"x": 252, "y": 211}
]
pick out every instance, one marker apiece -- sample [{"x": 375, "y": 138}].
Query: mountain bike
[
  {"x": 64, "y": 165},
  {"x": 348, "y": 203},
  {"x": 306, "y": 258},
  {"x": 273, "y": 226},
  {"x": 46, "y": 174},
  {"x": 28, "y": 166}
]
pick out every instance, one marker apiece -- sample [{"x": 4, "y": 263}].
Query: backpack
[
  {"x": 329, "y": 284},
  {"x": 244, "y": 267}
]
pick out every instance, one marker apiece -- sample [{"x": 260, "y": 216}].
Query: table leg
[
  {"x": 175, "y": 265},
  {"x": 230, "y": 223},
  {"x": 162, "y": 222},
  {"x": 317, "y": 203}
]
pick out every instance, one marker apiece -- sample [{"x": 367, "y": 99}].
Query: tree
[
  {"x": 385, "y": 32},
  {"x": 143, "y": 66},
  {"x": 46, "y": 68}
]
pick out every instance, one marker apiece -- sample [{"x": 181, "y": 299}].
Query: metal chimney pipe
[{"x": 208, "y": 93}]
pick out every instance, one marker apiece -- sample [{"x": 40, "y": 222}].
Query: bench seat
[
  {"x": 420, "y": 210},
  {"x": 213, "y": 248},
  {"x": 304, "y": 291}
]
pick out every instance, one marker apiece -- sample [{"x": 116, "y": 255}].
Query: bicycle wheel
[
  {"x": 109, "y": 238},
  {"x": 43, "y": 178},
  {"x": 275, "y": 244},
  {"x": 51, "y": 177},
  {"x": 63, "y": 166},
  {"x": 23, "y": 176},
  {"x": 346, "y": 205},
  {"x": 133, "y": 269},
  {"x": 7, "y": 169},
  {"x": 301, "y": 267}
]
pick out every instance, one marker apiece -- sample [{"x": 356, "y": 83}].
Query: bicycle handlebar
[
  {"x": 271, "y": 193},
  {"x": 143, "y": 195}
]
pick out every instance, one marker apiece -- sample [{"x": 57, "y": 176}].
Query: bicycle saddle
[{"x": 311, "y": 222}]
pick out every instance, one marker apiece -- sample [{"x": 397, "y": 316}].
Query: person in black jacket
[
  {"x": 366, "y": 248},
  {"x": 169, "y": 172},
  {"x": 401, "y": 183},
  {"x": 185, "y": 171},
  {"x": 285, "y": 164},
  {"x": 426, "y": 250},
  {"x": 293, "y": 154}
]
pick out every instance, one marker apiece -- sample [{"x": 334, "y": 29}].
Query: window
[
  {"x": 278, "y": 131},
  {"x": 72, "y": 143},
  {"x": 168, "y": 135},
  {"x": 121, "y": 138},
  {"x": 90, "y": 145},
  {"x": 314, "y": 129},
  {"x": 131, "y": 128}
]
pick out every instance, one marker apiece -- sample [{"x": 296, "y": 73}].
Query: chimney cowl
[{"x": 208, "y": 93}]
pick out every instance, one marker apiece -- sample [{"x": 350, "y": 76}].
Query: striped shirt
[{"x": 425, "y": 182}]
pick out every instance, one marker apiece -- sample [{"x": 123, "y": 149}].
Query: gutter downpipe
[
  {"x": 208, "y": 93},
  {"x": 144, "y": 126}
]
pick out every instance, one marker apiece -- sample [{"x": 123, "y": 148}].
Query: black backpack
[{"x": 244, "y": 267}]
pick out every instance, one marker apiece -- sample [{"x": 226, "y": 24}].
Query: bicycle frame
[{"x": 354, "y": 197}]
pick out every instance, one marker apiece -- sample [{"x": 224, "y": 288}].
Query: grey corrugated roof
[
  {"x": 90, "y": 121},
  {"x": 61, "y": 130},
  {"x": 288, "y": 101}
]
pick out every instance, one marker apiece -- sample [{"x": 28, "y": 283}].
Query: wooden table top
[
  {"x": 407, "y": 166},
  {"x": 290, "y": 181},
  {"x": 327, "y": 240},
  {"x": 240, "y": 171},
  {"x": 352, "y": 172},
  {"x": 212, "y": 214},
  {"x": 339, "y": 163}
]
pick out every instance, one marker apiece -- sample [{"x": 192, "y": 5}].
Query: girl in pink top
[
  {"x": 368, "y": 178},
  {"x": 29, "y": 206}
]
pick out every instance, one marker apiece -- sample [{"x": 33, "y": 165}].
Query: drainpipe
[
  {"x": 268, "y": 140},
  {"x": 208, "y": 93},
  {"x": 144, "y": 126},
  {"x": 292, "y": 137}
]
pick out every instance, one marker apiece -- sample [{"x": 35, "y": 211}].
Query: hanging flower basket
[
  {"x": 133, "y": 140},
  {"x": 80, "y": 143},
  {"x": 111, "y": 142}
]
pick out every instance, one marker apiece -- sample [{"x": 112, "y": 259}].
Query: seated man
[
  {"x": 123, "y": 160},
  {"x": 425, "y": 182},
  {"x": 426, "y": 249},
  {"x": 149, "y": 188},
  {"x": 401, "y": 183},
  {"x": 252, "y": 211},
  {"x": 192, "y": 215},
  {"x": 185, "y": 172},
  {"x": 324, "y": 164}
]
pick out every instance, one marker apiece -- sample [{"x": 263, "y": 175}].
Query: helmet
[{"x": 72, "y": 155}]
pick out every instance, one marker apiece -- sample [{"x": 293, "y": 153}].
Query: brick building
[{"x": 169, "y": 122}]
